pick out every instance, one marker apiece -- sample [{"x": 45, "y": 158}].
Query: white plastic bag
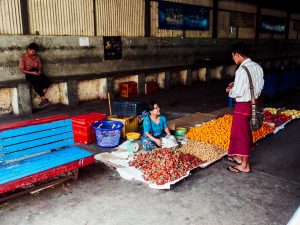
[{"x": 169, "y": 142}]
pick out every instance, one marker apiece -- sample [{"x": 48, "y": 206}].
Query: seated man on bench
[{"x": 31, "y": 65}]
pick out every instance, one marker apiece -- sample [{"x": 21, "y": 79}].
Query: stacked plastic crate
[
  {"x": 127, "y": 108},
  {"x": 151, "y": 87},
  {"x": 82, "y": 127},
  {"x": 128, "y": 89},
  {"x": 126, "y": 112}
]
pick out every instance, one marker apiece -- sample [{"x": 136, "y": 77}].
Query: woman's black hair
[
  {"x": 33, "y": 46},
  {"x": 150, "y": 106}
]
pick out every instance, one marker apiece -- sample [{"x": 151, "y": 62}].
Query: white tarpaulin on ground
[
  {"x": 281, "y": 127},
  {"x": 119, "y": 160}
]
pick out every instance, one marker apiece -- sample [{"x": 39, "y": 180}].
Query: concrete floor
[{"x": 270, "y": 194}]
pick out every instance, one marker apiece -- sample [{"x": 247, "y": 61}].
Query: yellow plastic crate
[{"x": 130, "y": 123}]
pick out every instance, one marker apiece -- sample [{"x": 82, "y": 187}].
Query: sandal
[
  {"x": 232, "y": 159},
  {"x": 233, "y": 169}
]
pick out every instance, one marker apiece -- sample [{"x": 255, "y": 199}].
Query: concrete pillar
[
  {"x": 230, "y": 70},
  {"x": 189, "y": 77},
  {"x": 102, "y": 88},
  {"x": 167, "y": 80},
  {"x": 141, "y": 83},
  {"x": 208, "y": 74},
  {"x": 21, "y": 100},
  {"x": 72, "y": 92},
  {"x": 202, "y": 74},
  {"x": 180, "y": 76},
  {"x": 218, "y": 72},
  {"x": 161, "y": 80},
  {"x": 110, "y": 86},
  {"x": 224, "y": 72}
]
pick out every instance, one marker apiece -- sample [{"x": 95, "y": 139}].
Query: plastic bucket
[{"x": 108, "y": 133}]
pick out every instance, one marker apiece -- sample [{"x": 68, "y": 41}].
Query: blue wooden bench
[{"x": 37, "y": 150}]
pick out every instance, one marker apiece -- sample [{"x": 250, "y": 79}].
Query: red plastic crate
[
  {"x": 128, "y": 89},
  {"x": 85, "y": 138},
  {"x": 86, "y": 120},
  {"x": 82, "y": 129},
  {"x": 151, "y": 87}
]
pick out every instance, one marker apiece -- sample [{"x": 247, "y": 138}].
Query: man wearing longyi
[{"x": 241, "y": 136}]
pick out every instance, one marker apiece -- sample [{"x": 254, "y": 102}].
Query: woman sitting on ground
[
  {"x": 155, "y": 127},
  {"x": 30, "y": 64}
]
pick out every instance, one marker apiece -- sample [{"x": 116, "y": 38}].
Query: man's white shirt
[{"x": 241, "y": 88}]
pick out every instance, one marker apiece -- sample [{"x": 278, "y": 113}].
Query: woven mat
[{"x": 191, "y": 120}]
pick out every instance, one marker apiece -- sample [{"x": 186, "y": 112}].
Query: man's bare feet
[
  {"x": 238, "y": 169},
  {"x": 234, "y": 159}
]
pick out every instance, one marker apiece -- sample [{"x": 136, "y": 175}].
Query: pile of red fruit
[
  {"x": 164, "y": 165},
  {"x": 276, "y": 119}
]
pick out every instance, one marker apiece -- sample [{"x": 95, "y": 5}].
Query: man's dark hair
[
  {"x": 241, "y": 48},
  {"x": 33, "y": 46}
]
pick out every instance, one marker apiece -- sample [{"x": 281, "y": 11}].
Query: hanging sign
[
  {"x": 177, "y": 16},
  {"x": 112, "y": 47}
]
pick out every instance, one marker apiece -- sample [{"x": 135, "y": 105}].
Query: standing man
[
  {"x": 241, "y": 142},
  {"x": 30, "y": 64}
]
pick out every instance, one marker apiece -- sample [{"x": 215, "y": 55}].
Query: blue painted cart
[{"x": 37, "y": 150}]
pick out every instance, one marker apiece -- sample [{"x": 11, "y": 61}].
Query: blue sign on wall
[
  {"x": 178, "y": 16},
  {"x": 269, "y": 24}
]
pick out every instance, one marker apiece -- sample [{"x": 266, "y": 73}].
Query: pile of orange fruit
[
  {"x": 262, "y": 132},
  {"x": 217, "y": 132}
]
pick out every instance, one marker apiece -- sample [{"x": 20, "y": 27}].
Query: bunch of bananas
[
  {"x": 292, "y": 112},
  {"x": 272, "y": 111}
]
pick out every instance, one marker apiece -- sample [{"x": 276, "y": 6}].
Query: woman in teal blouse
[{"x": 155, "y": 127}]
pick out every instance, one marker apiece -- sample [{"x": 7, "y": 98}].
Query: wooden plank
[
  {"x": 51, "y": 18},
  {"x": 60, "y": 19},
  {"x": 21, "y": 155},
  {"x": 72, "y": 17},
  {"x": 67, "y": 16},
  {"x": 152, "y": 21},
  {"x": 33, "y": 128},
  {"x": 7, "y": 20},
  {"x": 12, "y": 17},
  {"x": 44, "y": 175},
  {"x": 33, "y": 122},
  {"x": 82, "y": 7},
  {"x": 158, "y": 32},
  {"x": 92, "y": 20},
  {"x": 34, "y": 136},
  {"x": 2, "y": 20},
  {"x": 76, "y": 18},
  {"x": 56, "y": 26},
  {"x": 51, "y": 10},
  {"x": 30, "y": 166},
  {"x": 40, "y": 21},
  {"x": 32, "y": 23},
  {"x": 35, "y": 143},
  {"x": 18, "y": 17}
]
